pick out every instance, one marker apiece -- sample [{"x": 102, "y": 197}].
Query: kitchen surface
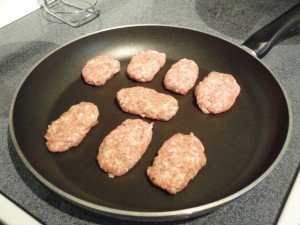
[{"x": 26, "y": 41}]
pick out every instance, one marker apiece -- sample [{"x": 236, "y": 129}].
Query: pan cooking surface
[{"x": 240, "y": 144}]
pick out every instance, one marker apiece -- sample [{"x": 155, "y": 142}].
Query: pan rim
[{"x": 139, "y": 215}]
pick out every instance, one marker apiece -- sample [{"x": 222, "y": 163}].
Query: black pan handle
[{"x": 263, "y": 40}]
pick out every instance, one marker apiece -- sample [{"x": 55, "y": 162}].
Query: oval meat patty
[
  {"x": 147, "y": 102},
  {"x": 144, "y": 65},
  {"x": 182, "y": 76},
  {"x": 71, "y": 127},
  {"x": 98, "y": 70},
  {"x": 124, "y": 146},
  {"x": 217, "y": 92},
  {"x": 178, "y": 161}
]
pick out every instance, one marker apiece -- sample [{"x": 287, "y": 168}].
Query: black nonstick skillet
[{"x": 242, "y": 145}]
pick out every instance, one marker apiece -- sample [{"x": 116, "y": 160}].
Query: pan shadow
[
  {"x": 18, "y": 58},
  {"x": 245, "y": 18},
  {"x": 61, "y": 204},
  {"x": 17, "y": 53}
]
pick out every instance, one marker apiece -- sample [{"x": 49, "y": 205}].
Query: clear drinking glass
[{"x": 73, "y": 12}]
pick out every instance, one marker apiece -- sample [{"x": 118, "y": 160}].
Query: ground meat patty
[
  {"x": 182, "y": 76},
  {"x": 178, "y": 161},
  {"x": 144, "y": 65},
  {"x": 124, "y": 146},
  {"x": 98, "y": 70},
  {"x": 217, "y": 92},
  {"x": 147, "y": 102},
  {"x": 71, "y": 127}
]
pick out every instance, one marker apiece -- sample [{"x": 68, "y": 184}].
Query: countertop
[{"x": 24, "y": 42}]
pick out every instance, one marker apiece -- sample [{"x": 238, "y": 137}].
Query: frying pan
[{"x": 242, "y": 145}]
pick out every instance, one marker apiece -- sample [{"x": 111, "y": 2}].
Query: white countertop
[{"x": 12, "y": 10}]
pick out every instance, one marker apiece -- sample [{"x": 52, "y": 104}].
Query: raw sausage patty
[
  {"x": 217, "y": 92},
  {"x": 182, "y": 76},
  {"x": 71, "y": 127},
  {"x": 147, "y": 102},
  {"x": 178, "y": 161},
  {"x": 144, "y": 65},
  {"x": 124, "y": 146},
  {"x": 98, "y": 70}
]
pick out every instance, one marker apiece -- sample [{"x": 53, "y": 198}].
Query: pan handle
[{"x": 263, "y": 40}]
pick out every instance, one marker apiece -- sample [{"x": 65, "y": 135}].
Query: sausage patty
[
  {"x": 147, "y": 102},
  {"x": 124, "y": 146},
  {"x": 71, "y": 127},
  {"x": 182, "y": 76},
  {"x": 98, "y": 70},
  {"x": 178, "y": 161},
  {"x": 144, "y": 65},
  {"x": 217, "y": 92}
]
